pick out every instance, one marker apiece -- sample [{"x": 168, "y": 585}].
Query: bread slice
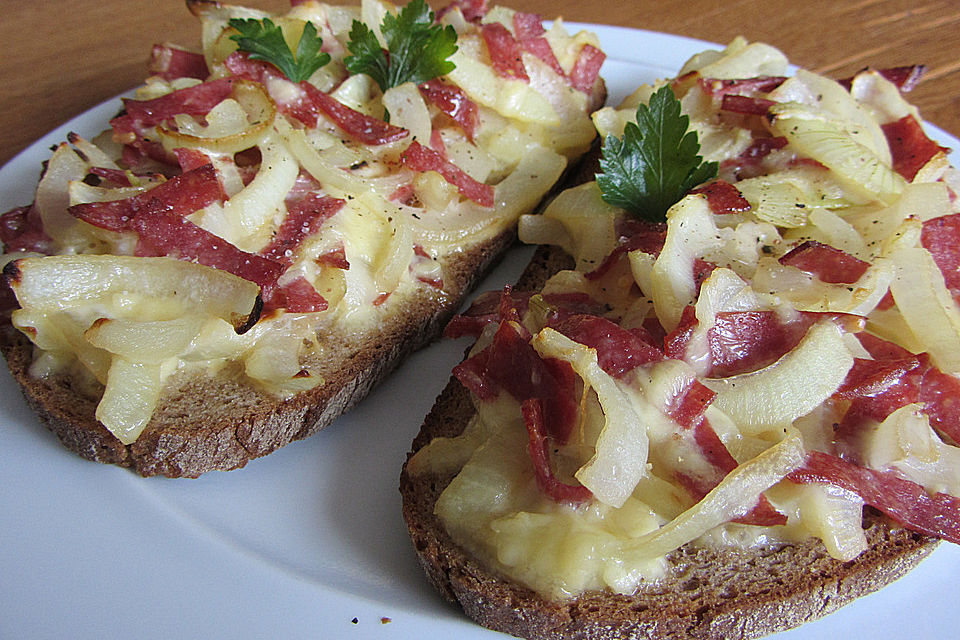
[
  {"x": 215, "y": 421},
  {"x": 205, "y": 423},
  {"x": 707, "y": 593}
]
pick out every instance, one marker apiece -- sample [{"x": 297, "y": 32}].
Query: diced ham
[
  {"x": 539, "y": 449},
  {"x": 743, "y": 86},
  {"x": 494, "y": 306},
  {"x": 181, "y": 195},
  {"x": 722, "y": 463},
  {"x": 162, "y": 232},
  {"x": 940, "y": 396},
  {"x": 909, "y": 146},
  {"x": 195, "y": 101},
  {"x": 747, "y": 164},
  {"x": 741, "y": 341},
  {"x": 336, "y": 258},
  {"x": 452, "y": 101},
  {"x": 472, "y": 10},
  {"x": 135, "y": 128},
  {"x": 586, "y": 69},
  {"x": 296, "y": 296},
  {"x": 540, "y": 47},
  {"x": 158, "y": 218},
  {"x": 307, "y": 210},
  {"x": 761, "y": 147},
  {"x": 634, "y": 235},
  {"x": 116, "y": 177},
  {"x": 404, "y": 194},
  {"x": 421, "y": 158},
  {"x": 619, "y": 351},
  {"x": 941, "y": 237},
  {"x": 21, "y": 229},
  {"x": 527, "y": 25},
  {"x": 827, "y": 263},
  {"x": 745, "y": 104},
  {"x": 170, "y": 62},
  {"x": 881, "y": 349},
  {"x": 723, "y": 197},
  {"x": 190, "y": 159},
  {"x": 687, "y": 406},
  {"x": 906, "y": 502},
  {"x": 876, "y": 388},
  {"x": 359, "y": 126},
  {"x": 528, "y": 29},
  {"x": 544, "y": 387},
  {"x": 506, "y": 54},
  {"x": 511, "y": 364},
  {"x": 906, "y": 77}
]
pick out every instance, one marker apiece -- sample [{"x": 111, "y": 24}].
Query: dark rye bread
[
  {"x": 205, "y": 423},
  {"x": 708, "y": 593}
]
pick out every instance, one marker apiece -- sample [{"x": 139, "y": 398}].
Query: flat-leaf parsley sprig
[
  {"x": 264, "y": 40},
  {"x": 417, "y": 49},
  {"x": 655, "y": 163}
]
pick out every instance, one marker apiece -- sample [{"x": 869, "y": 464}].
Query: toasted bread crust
[{"x": 708, "y": 593}]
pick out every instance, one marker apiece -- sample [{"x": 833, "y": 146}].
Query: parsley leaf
[
  {"x": 655, "y": 163},
  {"x": 263, "y": 40},
  {"x": 417, "y": 49}
]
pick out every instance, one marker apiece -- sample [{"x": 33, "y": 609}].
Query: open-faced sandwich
[
  {"x": 269, "y": 225},
  {"x": 724, "y": 400}
]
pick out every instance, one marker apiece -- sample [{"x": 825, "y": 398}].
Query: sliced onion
[
  {"x": 247, "y": 218},
  {"x": 735, "y": 496},
  {"x": 336, "y": 181},
  {"x": 274, "y": 362},
  {"x": 620, "y": 460},
  {"x": 53, "y": 197},
  {"x": 780, "y": 203},
  {"x": 829, "y": 228},
  {"x": 539, "y": 229},
  {"x": 511, "y": 98},
  {"x": 904, "y": 441},
  {"x": 789, "y": 388},
  {"x": 143, "y": 288},
  {"x": 805, "y": 292},
  {"x": 94, "y": 155},
  {"x": 827, "y": 141},
  {"x": 827, "y": 96},
  {"x": 150, "y": 342},
  {"x": 62, "y": 335},
  {"x": 881, "y": 97},
  {"x": 927, "y": 306},
  {"x": 528, "y": 183},
  {"x": 691, "y": 233},
  {"x": 130, "y": 396},
  {"x": 836, "y": 517},
  {"x": 408, "y": 110},
  {"x": 739, "y": 59},
  {"x": 232, "y": 126},
  {"x": 588, "y": 222}
]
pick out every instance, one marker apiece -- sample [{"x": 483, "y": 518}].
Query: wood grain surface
[{"x": 58, "y": 58}]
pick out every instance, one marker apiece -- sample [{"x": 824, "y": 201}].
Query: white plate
[{"x": 307, "y": 542}]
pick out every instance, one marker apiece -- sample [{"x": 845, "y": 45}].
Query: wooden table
[{"x": 58, "y": 59}]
